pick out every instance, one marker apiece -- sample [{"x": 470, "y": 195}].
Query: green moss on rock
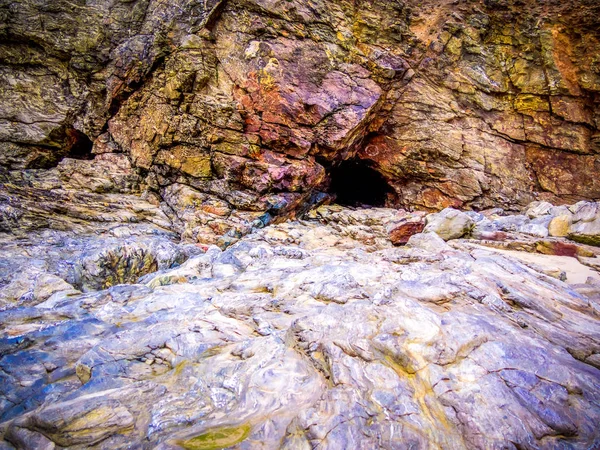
[{"x": 217, "y": 438}]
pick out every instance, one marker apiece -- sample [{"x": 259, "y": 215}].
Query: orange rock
[{"x": 559, "y": 226}]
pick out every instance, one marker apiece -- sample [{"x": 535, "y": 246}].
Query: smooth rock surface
[{"x": 317, "y": 333}]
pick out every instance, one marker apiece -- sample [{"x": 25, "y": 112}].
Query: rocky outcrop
[
  {"x": 315, "y": 333},
  {"x": 174, "y": 273},
  {"x": 241, "y": 110}
]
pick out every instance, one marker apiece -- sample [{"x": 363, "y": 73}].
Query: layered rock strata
[
  {"x": 230, "y": 110},
  {"x": 135, "y": 134}
]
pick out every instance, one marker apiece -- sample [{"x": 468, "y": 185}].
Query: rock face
[
  {"x": 234, "y": 111},
  {"x": 308, "y": 334},
  {"x": 174, "y": 275}
]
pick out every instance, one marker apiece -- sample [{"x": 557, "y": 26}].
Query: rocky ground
[
  {"x": 173, "y": 273},
  {"x": 318, "y": 333}
]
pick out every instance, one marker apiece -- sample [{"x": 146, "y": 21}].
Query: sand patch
[{"x": 575, "y": 271}]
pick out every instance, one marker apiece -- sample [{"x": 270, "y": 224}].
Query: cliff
[{"x": 234, "y": 109}]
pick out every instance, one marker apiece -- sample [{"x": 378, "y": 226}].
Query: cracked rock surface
[
  {"x": 310, "y": 334},
  {"x": 244, "y": 108}
]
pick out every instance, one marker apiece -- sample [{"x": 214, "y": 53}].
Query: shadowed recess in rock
[
  {"x": 81, "y": 147},
  {"x": 355, "y": 183}
]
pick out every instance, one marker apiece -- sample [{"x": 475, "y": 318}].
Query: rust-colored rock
[
  {"x": 401, "y": 231},
  {"x": 253, "y": 102},
  {"x": 558, "y": 248}
]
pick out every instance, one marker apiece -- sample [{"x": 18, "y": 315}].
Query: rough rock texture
[
  {"x": 312, "y": 334},
  {"x": 241, "y": 108},
  {"x": 135, "y": 134}
]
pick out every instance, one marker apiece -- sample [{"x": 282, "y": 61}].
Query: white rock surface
[{"x": 312, "y": 335}]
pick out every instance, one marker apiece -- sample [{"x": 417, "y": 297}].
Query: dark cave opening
[
  {"x": 81, "y": 147},
  {"x": 355, "y": 183}
]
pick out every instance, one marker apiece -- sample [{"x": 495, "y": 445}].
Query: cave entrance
[
  {"x": 355, "y": 183},
  {"x": 81, "y": 147}
]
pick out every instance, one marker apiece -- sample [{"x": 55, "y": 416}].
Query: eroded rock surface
[
  {"x": 243, "y": 108},
  {"x": 314, "y": 334},
  {"x": 152, "y": 294}
]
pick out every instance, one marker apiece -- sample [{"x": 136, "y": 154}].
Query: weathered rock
[
  {"x": 46, "y": 265},
  {"x": 430, "y": 242},
  {"x": 449, "y": 224},
  {"x": 510, "y": 223},
  {"x": 594, "y": 263},
  {"x": 125, "y": 263},
  {"x": 559, "y": 226},
  {"x": 401, "y": 231},
  {"x": 538, "y": 209},
  {"x": 32, "y": 286},
  {"x": 126, "y": 126},
  {"x": 536, "y": 227},
  {"x": 254, "y": 105},
  {"x": 558, "y": 248},
  {"x": 308, "y": 332},
  {"x": 487, "y": 230},
  {"x": 585, "y": 226},
  {"x": 24, "y": 438},
  {"x": 86, "y": 420}
]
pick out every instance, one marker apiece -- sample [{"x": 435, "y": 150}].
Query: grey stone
[
  {"x": 449, "y": 224},
  {"x": 430, "y": 242},
  {"x": 538, "y": 209}
]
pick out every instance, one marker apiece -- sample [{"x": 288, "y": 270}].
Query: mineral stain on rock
[{"x": 217, "y": 439}]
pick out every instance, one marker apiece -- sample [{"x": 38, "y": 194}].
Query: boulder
[
  {"x": 449, "y": 224},
  {"x": 559, "y": 226},
  {"x": 585, "y": 226}
]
